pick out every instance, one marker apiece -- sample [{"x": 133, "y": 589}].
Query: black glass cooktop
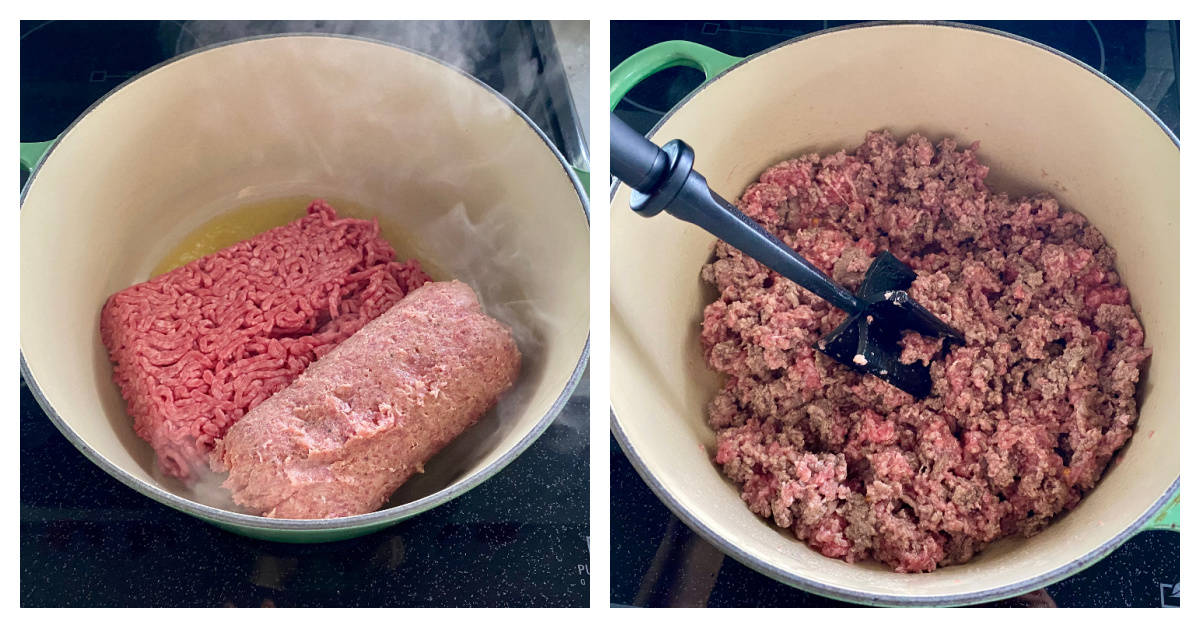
[
  {"x": 519, "y": 539},
  {"x": 659, "y": 561}
]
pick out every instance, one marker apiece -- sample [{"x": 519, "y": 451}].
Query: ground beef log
[{"x": 367, "y": 416}]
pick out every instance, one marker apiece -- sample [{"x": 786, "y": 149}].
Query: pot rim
[
  {"x": 847, "y": 594},
  {"x": 372, "y": 519}
]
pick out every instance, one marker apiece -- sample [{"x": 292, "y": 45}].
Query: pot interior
[
  {"x": 1044, "y": 123},
  {"x": 476, "y": 192}
]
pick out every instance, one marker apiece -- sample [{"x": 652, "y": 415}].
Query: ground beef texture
[
  {"x": 368, "y": 415},
  {"x": 1022, "y": 419},
  {"x": 197, "y": 347}
]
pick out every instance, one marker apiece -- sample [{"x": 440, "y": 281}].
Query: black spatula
[{"x": 879, "y": 313}]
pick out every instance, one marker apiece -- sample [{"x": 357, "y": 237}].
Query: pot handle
[
  {"x": 668, "y": 54},
  {"x": 1167, "y": 518},
  {"x": 585, "y": 178},
  {"x": 32, "y": 153}
]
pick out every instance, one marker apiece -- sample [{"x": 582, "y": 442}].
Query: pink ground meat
[
  {"x": 368, "y": 415},
  {"x": 195, "y": 348},
  {"x": 1023, "y": 418}
]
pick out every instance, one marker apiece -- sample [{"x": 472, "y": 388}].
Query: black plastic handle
[
  {"x": 663, "y": 178},
  {"x": 634, "y": 159},
  {"x": 699, "y": 205}
]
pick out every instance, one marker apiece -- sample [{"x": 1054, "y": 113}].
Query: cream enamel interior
[
  {"x": 1044, "y": 123},
  {"x": 301, "y": 115}
]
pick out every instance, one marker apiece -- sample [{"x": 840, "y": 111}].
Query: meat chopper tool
[{"x": 878, "y": 313}]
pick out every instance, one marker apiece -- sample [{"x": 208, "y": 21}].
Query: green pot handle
[
  {"x": 1167, "y": 518},
  {"x": 660, "y": 56},
  {"x": 32, "y": 153},
  {"x": 584, "y": 178}
]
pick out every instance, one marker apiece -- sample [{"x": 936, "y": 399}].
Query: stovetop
[
  {"x": 656, "y": 559},
  {"x": 519, "y": 539}
]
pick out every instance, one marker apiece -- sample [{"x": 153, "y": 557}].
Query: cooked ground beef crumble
[{"x": 1022, "y": 419}]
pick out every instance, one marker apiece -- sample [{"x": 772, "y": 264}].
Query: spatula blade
[
  {"x": 869, "y": 348},
  {"x": 869, "y": 342}
]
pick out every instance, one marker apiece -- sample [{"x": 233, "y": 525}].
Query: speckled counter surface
[{"x": 519, "y": 539}]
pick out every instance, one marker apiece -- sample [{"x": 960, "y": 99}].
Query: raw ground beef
[
  {"x": 195, "y": 348},
  {"x": 1022, "y": 420},
  {"x": 368, "y": 415}
]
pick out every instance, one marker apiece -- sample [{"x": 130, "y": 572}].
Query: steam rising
[
  {"x": 469, "y": 46},
  {"x": 203, "y": 486},
  {"x": 495, "y": 273}
]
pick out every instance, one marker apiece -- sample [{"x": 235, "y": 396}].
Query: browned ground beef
[{"x": 1022, "y": 420}]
